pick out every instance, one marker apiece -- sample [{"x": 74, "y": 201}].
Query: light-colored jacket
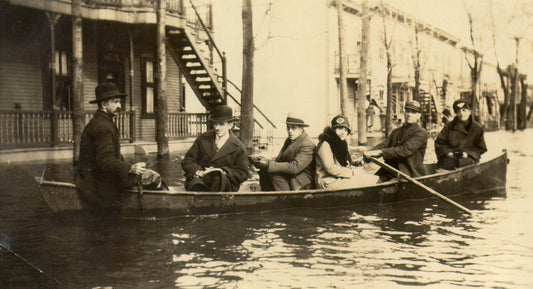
[{"x": 328, "y": 170}]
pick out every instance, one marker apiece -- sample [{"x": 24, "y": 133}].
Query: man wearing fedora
[
  {"x": 405, "y": 147},
  {"x": 102, "y": 171},
  {"x": 460, "y": 142},
  {"x": 217, "y": 161},
  {"x": 294, "y": 168}
]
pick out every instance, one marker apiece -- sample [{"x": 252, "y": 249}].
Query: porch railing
[
  {"x": 35, "y": 128},
  {"x": 186, "y": 124},
  {"x": 173, "y": 6}
]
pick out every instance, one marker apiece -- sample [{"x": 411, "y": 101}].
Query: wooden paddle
[
  {"x": 140, "y": 191},
  {"x": 419, "y": 184}
]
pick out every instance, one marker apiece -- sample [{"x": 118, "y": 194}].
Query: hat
[
  {"x": 460, "y": 104},
  {"x": 105, "y": 91},
  {"x": 292, "y": 119},
  {"x": 413, "y": 105},
  {"x": 340, "y": 121},
  {"x": 221, "y": 113}
]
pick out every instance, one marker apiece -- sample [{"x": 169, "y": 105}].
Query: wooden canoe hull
[{"x": 487, "y": 176}]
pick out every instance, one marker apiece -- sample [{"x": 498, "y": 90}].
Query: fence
[
  {"x": 35, "y": 128},
  {"x": 186, "y": 124}
]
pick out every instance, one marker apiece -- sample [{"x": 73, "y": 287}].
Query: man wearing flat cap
[
  {"x": 460, "y": 142},
  {"x": 294, "y": 168},
  {"x": 102, "y": 171},
  {"x": 217, "y": 161},
  {"x": 405, "y": 147}
]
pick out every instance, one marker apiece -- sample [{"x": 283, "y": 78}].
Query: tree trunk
[
  {"x": 78, "y": 111},
  {"x": 363, "y": 70},
  {"x": 514, "y": 90},
  {"x": 346, "y": 108},
  {"x": 161, "y": 73},
  {"x": 505, "y": 107},
  {"x": 388, "y": 120},
  {"x": 523, "y": 104},
  {"x": 247, "y": 97}
]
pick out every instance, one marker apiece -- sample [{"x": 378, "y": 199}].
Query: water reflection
[{"x": 418, "y": 243}]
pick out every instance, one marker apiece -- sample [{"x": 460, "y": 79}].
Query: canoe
[{"x": 486, "y": 176}]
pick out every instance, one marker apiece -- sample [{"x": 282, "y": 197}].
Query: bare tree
[
  {"x": 387, "y": 43},
  {"x": 78, "y": 111},
  {"x": 474, "y": 58},
  {"x": 247, "y": 97},
  {"x": 416, "y": 57},
  {"x": 161, "y": 68},
  {"x": 346, "y": 108},
  {"x": 363, "y": 70}
]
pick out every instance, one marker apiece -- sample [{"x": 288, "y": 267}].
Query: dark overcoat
[
  {"x": 296, "y": 160},
  {"x": 101, "y": 171},
  {"x": 404, "y": 149},
  {"x": 455, "y": 137},
  {"x": 232, "y": 158}
]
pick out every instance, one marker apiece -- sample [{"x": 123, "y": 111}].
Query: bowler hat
[
  {"x": 340, "y": 121},
  {"x": 460, "y": 104},
  {"x": 413, "y": 105},
  {"x": 292, "y": 119},
  {"x": 221, "y": 113},
  {"x": 105, "y": 91}
]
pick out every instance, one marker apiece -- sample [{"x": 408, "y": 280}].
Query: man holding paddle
[{"x": 404, "y": 148}]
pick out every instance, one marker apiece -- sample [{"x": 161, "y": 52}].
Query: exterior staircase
[
  {"x": 430, "y": 108},
  {"x": 188, "y": 51}
]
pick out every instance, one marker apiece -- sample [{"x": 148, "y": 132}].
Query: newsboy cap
[
  {"x": 340, "y": 121},
  {"x": 460, "y": 103},
  {"x": 105, "y": 91},
  {"x": 413, "y": 105}
]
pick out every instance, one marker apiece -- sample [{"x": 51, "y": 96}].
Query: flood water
[{"x": 423, "y": 243}]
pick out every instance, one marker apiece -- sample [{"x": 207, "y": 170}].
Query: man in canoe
[
  {"x": 217, "y": 161},
  {"x": 294, "y": 167},
  {"x": 404, "y": 148},
  {"x": 460, "y": 142},
  {"x": 102, "y": 172}
]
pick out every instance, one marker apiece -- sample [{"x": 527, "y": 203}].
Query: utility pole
[
  {"x": 346, "y": 108},
  {"x": 78, "y": 111},
  {"x": 363, "y": 68},
  {"x": 161, "y": 69},
  {"x": 247, "y": 98}
]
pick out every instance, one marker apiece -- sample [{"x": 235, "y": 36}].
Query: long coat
[
  {"x": 404, "y": 149},
  {"x": 101, "y": 171},
  {"x": 296, "y": 160},
  {"x": 454, "y": 137},
  {"x": 232, "y": 158}
]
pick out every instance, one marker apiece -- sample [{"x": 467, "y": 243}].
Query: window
[
  {"x": 148, "y": 88},
  {"x": 63, "y": 81}
]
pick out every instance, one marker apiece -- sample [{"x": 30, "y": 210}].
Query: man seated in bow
[
  {"x": 217, "y": 161},
  {"x": 294, "y": 168},
  {"x": 460, "y": 142}
]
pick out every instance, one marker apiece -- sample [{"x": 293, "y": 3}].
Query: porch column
[{"x": 52, "y": 20}]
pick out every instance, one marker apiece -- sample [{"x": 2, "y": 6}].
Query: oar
[
  {"x": 140, "y": 191},
  {"x": 419, "y": 184}
]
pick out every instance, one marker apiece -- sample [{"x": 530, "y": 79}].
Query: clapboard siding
[{"x": 20, "y": 75}]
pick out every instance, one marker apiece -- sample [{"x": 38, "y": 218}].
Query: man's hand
[
  {"x": 260, "y": 162},
  {"x": 202, "y": 173},
  {"x": 371, "y": 154},
  {"x": 138, "y": 168}
]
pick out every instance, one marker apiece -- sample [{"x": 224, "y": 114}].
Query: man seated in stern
[
  {"x": 404, "y": 148},
  {"x": 217, "y": 161},
  {"x": 294, "y": 167},
  {"x": 460, "y": 142},
  {"x": 102, "y": 172}
]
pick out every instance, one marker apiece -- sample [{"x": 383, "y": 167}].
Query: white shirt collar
[{"x": 220, "y": 141}]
